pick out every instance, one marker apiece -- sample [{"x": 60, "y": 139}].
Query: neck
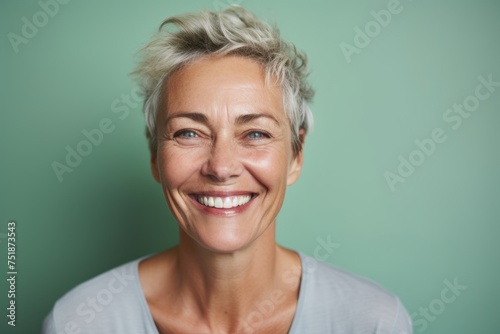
[
  {"x": 224, "y": 288},
  {"x": 225, "y": 275}
]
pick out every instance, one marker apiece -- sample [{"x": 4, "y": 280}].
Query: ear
[
  {"x": 154, "y": 166},
  {"x": 296, "y": 163}
]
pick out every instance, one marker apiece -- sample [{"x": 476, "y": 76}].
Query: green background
[{"x": 441, "y": 223}]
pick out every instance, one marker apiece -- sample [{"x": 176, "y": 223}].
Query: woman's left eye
[{"x": 257, "y": 135}]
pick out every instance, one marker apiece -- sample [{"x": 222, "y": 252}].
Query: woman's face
[{"x": 224, "y": 152}]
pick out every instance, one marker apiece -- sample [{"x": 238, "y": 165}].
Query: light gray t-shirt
[{"x": 330, "y": 301}]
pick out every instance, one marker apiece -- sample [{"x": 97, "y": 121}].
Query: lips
[{"x": 223, "y": 202}]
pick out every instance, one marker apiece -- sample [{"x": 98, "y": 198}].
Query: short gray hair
[{"x": 232, "y": 31}]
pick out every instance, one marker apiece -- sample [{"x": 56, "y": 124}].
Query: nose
[{"x": 223, "y": 163}]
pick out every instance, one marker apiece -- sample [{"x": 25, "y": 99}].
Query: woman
[{"x": 226, "y": 105}]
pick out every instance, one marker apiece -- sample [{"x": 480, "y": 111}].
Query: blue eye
[
  {"x": 256, "y": 135},
  {"x": 186, "y": 134}
]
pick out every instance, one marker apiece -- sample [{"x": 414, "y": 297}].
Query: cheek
[
  {"x": 269, "y": 166},
  {"x": 177, "y": 166}
]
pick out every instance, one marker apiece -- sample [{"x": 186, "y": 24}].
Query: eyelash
[
  {"x": 188, "y": 134},
  {"x": 262, "y": 135},
  {"x": 182, "y": 133}
]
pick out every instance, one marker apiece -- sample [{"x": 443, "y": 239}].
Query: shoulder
[
  {"x": 347, "y": 303},
  {"x": 110, "y": 302}
]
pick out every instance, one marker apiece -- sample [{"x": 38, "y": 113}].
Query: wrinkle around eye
[{"x": 191, "y": 138}]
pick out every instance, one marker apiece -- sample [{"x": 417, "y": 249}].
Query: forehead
[{"x": 233, "y": 83}]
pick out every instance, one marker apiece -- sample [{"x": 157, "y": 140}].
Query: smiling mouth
[{"x": 226, "y": 202}]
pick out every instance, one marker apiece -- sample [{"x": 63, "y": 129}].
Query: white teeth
[
  {"x": 228, "y": 203},
  {"x": 224, "y": 202}
]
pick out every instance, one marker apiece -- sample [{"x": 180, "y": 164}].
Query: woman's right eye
[{"x": 185, "y": 134}]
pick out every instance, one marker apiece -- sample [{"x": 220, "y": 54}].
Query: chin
[{"x": 224, "y": 240}]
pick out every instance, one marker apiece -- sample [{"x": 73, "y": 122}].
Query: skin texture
[{"x": 223, "y": 132}]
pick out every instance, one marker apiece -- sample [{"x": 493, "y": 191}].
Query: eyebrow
[
  {"x": 201, "y": 118},
  {"x": 195, "y": 116},
  {"x": 247, "y": 118}
]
